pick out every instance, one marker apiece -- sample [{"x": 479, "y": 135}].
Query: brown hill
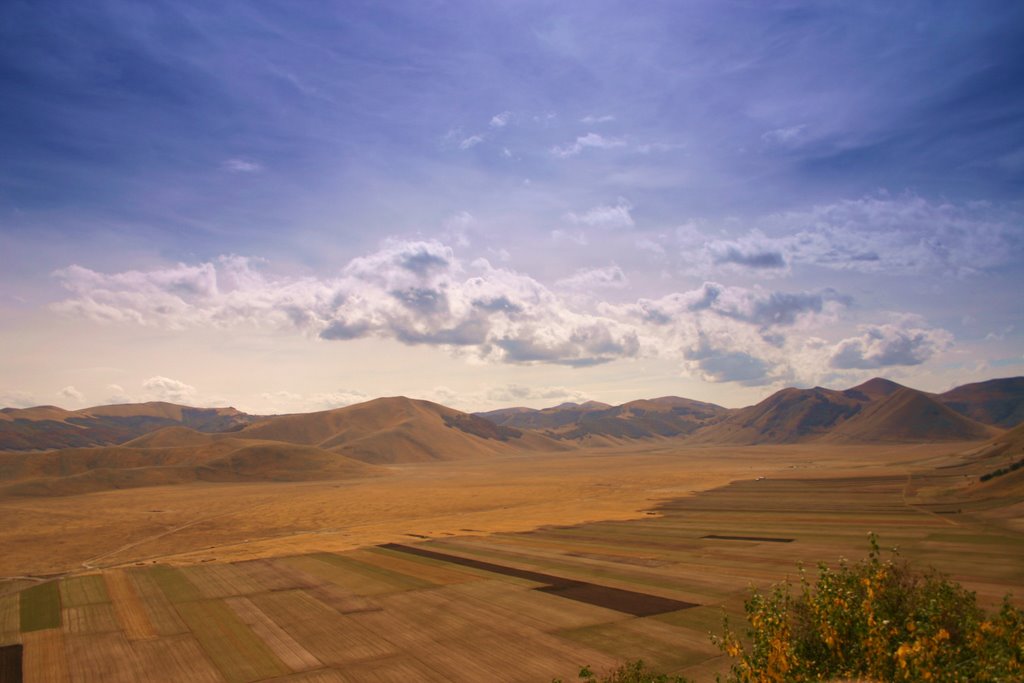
[
  {"x": 46, "y": 427},
  {"x": 877, "y": 411},
  {"x": 787, "y": 416},
  {"x": 908, "y": 415},
  {"x": 875, "y": 388},
  {"x": 667, "y": 416},
  {"x": 398, "y": 430},
  {"x": 998, "y": 402},
  {"x": 71, "y": 471},
  {"x": 544, "y": 419}
]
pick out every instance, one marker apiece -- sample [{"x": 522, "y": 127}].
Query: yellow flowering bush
[{"x": 876, "y": 620}]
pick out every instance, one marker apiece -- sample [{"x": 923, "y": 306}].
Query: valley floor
[{"x": 508, "y": 569}]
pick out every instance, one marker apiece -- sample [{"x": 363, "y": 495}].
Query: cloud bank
[{"x": 419, "y": 292}]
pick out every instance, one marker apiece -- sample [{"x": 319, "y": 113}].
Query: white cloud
[
  {"x": 518, "y": 393},
  {"x": 617, "y": 216},
  {"x": 588, "y": 279},
  {"x": 471, "y": 141},
  {"x": 561, "y": 236},
  {"x": 501, "y": 120},
  {"x": 161, "y": 388},
  {"x": 289, "y": 402},
  {"x": 242, "y": 166},
  {"x": 422, "y": 293},
  {"x": 116, "y": 394},
  {"x": 753, "y": 251},
  {"x": 590, "y": 119},
  {"x": 880, "y": 346},
  {"x": 17, "y": 399},
  {"x": 71, "y": 394},
  {"x": 584, "y": 141},
  {"x": 906, "y": 234}
]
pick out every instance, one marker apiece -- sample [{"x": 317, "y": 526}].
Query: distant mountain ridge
[
  {"x": 46, "y": 427},
  {"x": 668, "y": 416},
  {"x": 878, "y": 410},
  {"x": 399, "y": 429}
]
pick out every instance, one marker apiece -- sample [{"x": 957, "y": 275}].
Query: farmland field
[{"x": 515, "y": 569}]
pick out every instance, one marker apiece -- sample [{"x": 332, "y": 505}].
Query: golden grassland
[{"x": 267, "y": 581}]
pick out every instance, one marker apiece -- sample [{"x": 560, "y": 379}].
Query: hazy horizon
[{"x": 288, "y": 209}]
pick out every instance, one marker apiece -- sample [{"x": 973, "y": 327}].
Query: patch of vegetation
[
  {"x": 40, "y": 607},
  {"x": 877, "y": 620},
  {"x": 630, "y": 672},
  {"x": 1003, "y": 470}
]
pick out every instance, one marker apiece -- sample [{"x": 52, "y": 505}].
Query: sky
[{"x": 296, "y": 206}]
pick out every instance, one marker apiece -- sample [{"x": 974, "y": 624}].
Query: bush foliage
[{"x": 876, "y": 620}]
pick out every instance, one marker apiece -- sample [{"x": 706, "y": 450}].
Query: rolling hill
[
  {"x": 398, "y": 430},
  {"x": 333, "y": 444},
  {"x": 153, "y": 461},
  {"x": 877, "y": 411},
  {"x": 46, "y": 427},
  {"x": 668, "y": 416},
  {"x": 998, "y": 402}
]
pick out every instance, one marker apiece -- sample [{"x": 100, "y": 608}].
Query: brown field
[{"x": 315, "y": 581}]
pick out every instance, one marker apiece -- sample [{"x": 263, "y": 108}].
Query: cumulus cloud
[
  {"x": 587, "y": 279},
  {"x": 591, "y": 140},
  {"x": 117, "y": 394},
  {"x": 752, "y": 251},
  {"x": 419, "y": 292},
  {"x": 518, "y": 393},
  {"x": 471, "y": 141},
  {"x": 501, "y": 120},
  {"x": 166, "y": 389},
  {"x": 756, "y": 306},
  {"x": 880, "y": 346},
  {"x": 416, "y": 292},
  {"x": 71, "y": 394},
  {"x": 617, "y": 216},
  {"x": 287, "y": 401},
  {"x": 717, "y": 363},
  {"x": 17, "y": 399}
]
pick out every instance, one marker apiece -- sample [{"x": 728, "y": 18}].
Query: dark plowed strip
[
  {"x": 477, "y": 564},
  {"x": 766, "y": 539},
  {"x": 630, "y": 602},
  {"x": 10, "y": 664}
]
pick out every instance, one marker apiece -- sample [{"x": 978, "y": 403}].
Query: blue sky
[{"x": 288, "y": 206}]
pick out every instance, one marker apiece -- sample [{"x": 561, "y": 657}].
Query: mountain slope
[
  {"x": 667, "y": 416},
  {"x": 998, "y": 402},
  {"x": 46, "y": 427},
  {"x": 909, "y": 415},
  {"x": 787, "y": 416},
  {"x": 878, "y": 411},
  {"x": 207, "y": 457},
  {"x": 398, "y": 430}
]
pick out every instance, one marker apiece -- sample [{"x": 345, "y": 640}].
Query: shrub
[
  {"x": 875, "y": 620},
  {"x": 630, "y": 672}
]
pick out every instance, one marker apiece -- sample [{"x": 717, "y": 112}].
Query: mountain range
[{"x": 161, "y": 443}]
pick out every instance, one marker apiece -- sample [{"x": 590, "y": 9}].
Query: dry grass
[{"x": 303, "y": 606}]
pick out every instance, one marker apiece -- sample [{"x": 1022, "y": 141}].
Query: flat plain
[{"x": 508, "y": 568}]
